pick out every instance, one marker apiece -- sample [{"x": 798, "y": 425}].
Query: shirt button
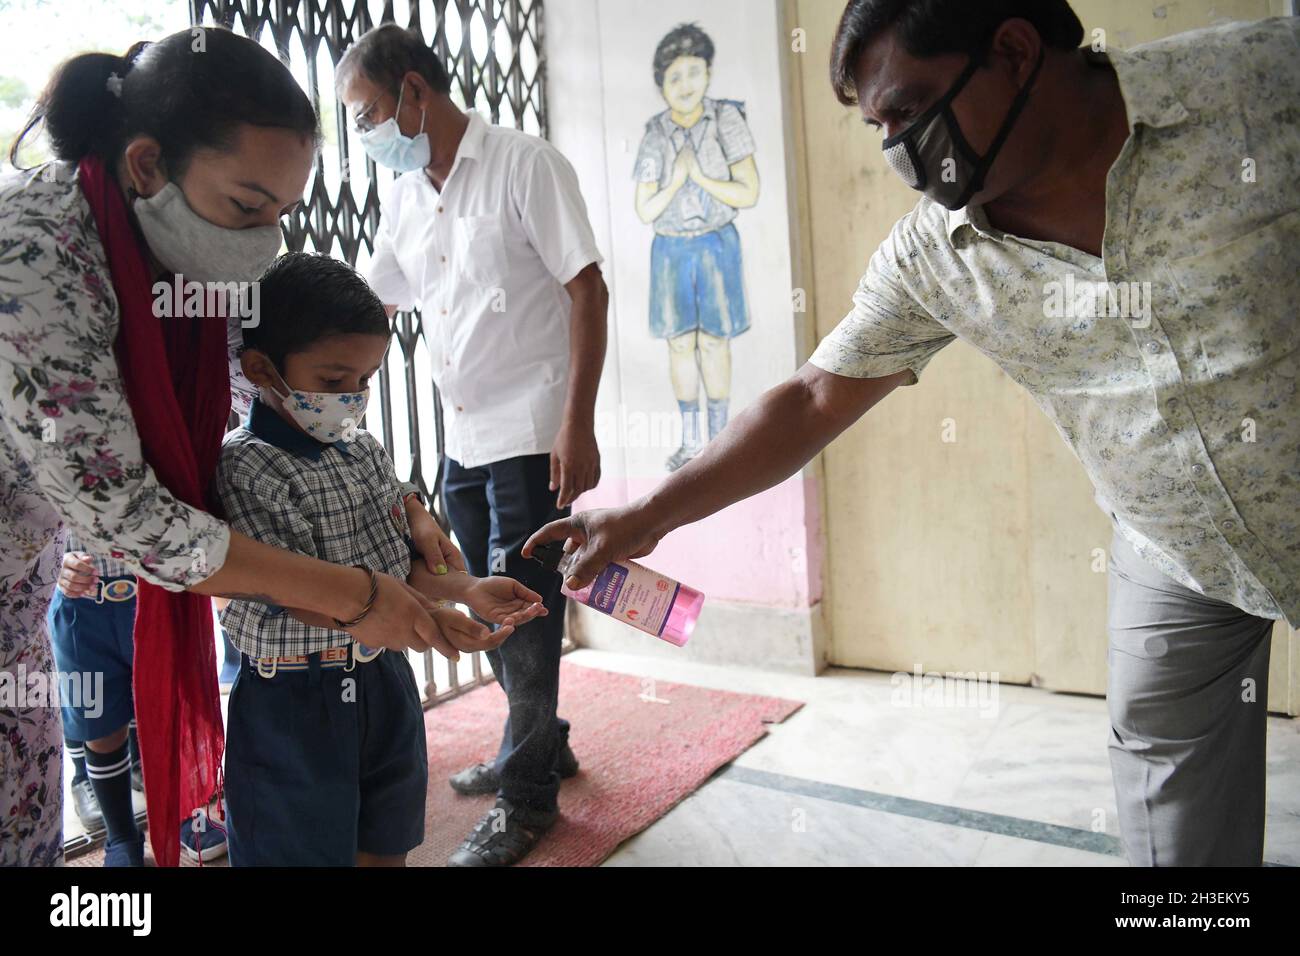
[
  {"x": 460, "y": 408},
  {"x": 1198, "y": 470},
  {"x": 1229, "y": 525},
  {"x": 439, "y": 209},
  {"x": 444, "y": 259},
  {"x": 1152, "y": 346}
]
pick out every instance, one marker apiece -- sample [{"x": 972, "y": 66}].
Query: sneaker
[
  {"x": 504, "y": 836},
  {"x": 211, "y": 842},
  {"x": 681, "y": 456},
  {"x": 483, "y": 777},
  {"x": 128, "y": 853},
  {"x": 87, "y": 805}
]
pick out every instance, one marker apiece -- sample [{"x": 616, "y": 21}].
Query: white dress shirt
[{"x": 486, "y": 261}]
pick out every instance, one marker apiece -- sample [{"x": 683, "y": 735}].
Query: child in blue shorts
[
  {"x": 92, "y": 623},
  {"x": 325, "y": 741}
]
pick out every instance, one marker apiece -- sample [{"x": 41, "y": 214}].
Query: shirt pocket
[
  {"x": 480, "y": 250},
  {"x": 1240, "y": 298}
]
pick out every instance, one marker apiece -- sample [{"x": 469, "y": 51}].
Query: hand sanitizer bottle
[{"x": 633, "y": 594}]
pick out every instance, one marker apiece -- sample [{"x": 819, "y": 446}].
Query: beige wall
[{"x": 978, "y": 554}]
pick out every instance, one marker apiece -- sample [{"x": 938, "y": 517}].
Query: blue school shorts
[
  {"x": 94, "y": 637},
  {"x": 697, "y": 284},
  {"x": 317, "y": 769}
]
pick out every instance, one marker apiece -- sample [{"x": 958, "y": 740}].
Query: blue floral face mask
[
  {"x": 387, "y": 145},
  {"x": 326, "y": 416}
]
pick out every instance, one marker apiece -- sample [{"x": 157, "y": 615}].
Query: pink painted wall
[{"x": 764, "y": 550}]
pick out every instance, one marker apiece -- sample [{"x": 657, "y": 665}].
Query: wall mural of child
[{"x": 695, "y": 170}]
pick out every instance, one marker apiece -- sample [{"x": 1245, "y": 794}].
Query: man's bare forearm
[
  {"x": 766, "y": 444},
  {"x": 588, "y": 337}
]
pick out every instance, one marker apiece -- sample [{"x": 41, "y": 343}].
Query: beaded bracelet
[{"x": 370, "y": 601}]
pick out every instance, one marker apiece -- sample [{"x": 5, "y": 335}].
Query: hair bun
[
  {"x": 131, "y": 55},
  {"x": 82, "y": 104}
]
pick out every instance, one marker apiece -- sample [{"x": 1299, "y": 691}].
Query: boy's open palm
[
  {"x": 465, "y": 634},
  {"x": 503, "y": 600}
]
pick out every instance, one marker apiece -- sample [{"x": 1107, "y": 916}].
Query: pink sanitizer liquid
[{"x": 633, "y": 594}]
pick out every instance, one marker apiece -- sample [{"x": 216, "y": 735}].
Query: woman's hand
[
  {"x": 434, "y": 546},
  {"x": 596, "y": 538},
  {"x": 78, "y": 577},
  {"x": 504, "y": 601}
]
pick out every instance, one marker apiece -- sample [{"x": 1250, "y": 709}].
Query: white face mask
[
  {"x": 326, "y": 416},
  {"x": 188, "y": 244},
  {"x": 387, "y": 145}
]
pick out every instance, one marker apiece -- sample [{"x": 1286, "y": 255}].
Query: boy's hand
[
  {"x": 465, "y": 634},
  {"x": 401, "y": 618},
  {"x": 448, "y": 586},
  {"x": 434, "y": 546},
  {"x": 682, "y": 166},
  {"x": 77, "y": 577},
  {"x": 504, "y": 601},
  {"x": 693, "y": 170}
]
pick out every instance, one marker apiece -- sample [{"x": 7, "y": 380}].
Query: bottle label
[{"x": 635, "y": 595}]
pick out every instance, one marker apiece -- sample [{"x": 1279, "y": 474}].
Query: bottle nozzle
[{"x": 550, "y": 555}]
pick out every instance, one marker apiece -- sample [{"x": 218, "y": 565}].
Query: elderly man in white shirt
[
  {"x": 1120, "y": 232},
  {"x": 487, "y": 234}
]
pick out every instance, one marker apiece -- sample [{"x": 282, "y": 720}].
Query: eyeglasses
[{"x": 362, "y": 124}]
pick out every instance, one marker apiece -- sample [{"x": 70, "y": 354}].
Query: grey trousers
[{"x": 1188, "y": 699}]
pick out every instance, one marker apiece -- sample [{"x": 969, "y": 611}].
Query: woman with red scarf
[{"x": 176, "y": 159}]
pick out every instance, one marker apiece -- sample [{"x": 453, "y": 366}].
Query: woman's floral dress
[{"x": 69, "y": 457}]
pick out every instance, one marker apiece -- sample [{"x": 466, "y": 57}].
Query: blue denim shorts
[{"x": 325, "y": 762}]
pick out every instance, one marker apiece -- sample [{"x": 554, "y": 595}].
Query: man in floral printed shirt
[{"x": 1063, "y": 187}]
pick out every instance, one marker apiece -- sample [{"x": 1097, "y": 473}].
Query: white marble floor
[{"x": 855, "y": 779}]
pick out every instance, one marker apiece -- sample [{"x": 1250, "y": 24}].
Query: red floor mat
[{"x": 643, "y": 746}]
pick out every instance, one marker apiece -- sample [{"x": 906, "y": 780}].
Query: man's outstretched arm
[{"x": 766, "y": 444}]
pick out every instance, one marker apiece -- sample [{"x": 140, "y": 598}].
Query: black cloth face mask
[{"x": 933, "y": 157}]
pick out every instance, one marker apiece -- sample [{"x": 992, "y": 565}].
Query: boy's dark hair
[
  {"x": 386, "y": 54},
  {"x": 933, "y": 27},
  {"x": 186, "y": 98},
  {"x": 685, "y": 39},
  {"x": 305, "y": 297}
]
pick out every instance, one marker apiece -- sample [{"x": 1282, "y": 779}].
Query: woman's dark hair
[
  {"x": 305, "y": 297},
  {"x": 686, "y": 39},
  {"x": 386, "y": 54},
  {"x": 933, "y": 27},
  {"x": 190, "y": 90}
]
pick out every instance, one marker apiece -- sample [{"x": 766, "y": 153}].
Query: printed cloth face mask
[
  {"x": 326, "y": 416},
  {"x": 933, "y": 157},
  {"x": 388, "y": 146},
  {"x": 191, "y": 246}
]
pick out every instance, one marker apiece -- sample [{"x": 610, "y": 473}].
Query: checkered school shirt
[
  {"x": 105, "y": 567},
  {"x": 341, "y": 503}
]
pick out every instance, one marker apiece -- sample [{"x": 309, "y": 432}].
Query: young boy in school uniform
[{"x": 325, "y": 745}]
